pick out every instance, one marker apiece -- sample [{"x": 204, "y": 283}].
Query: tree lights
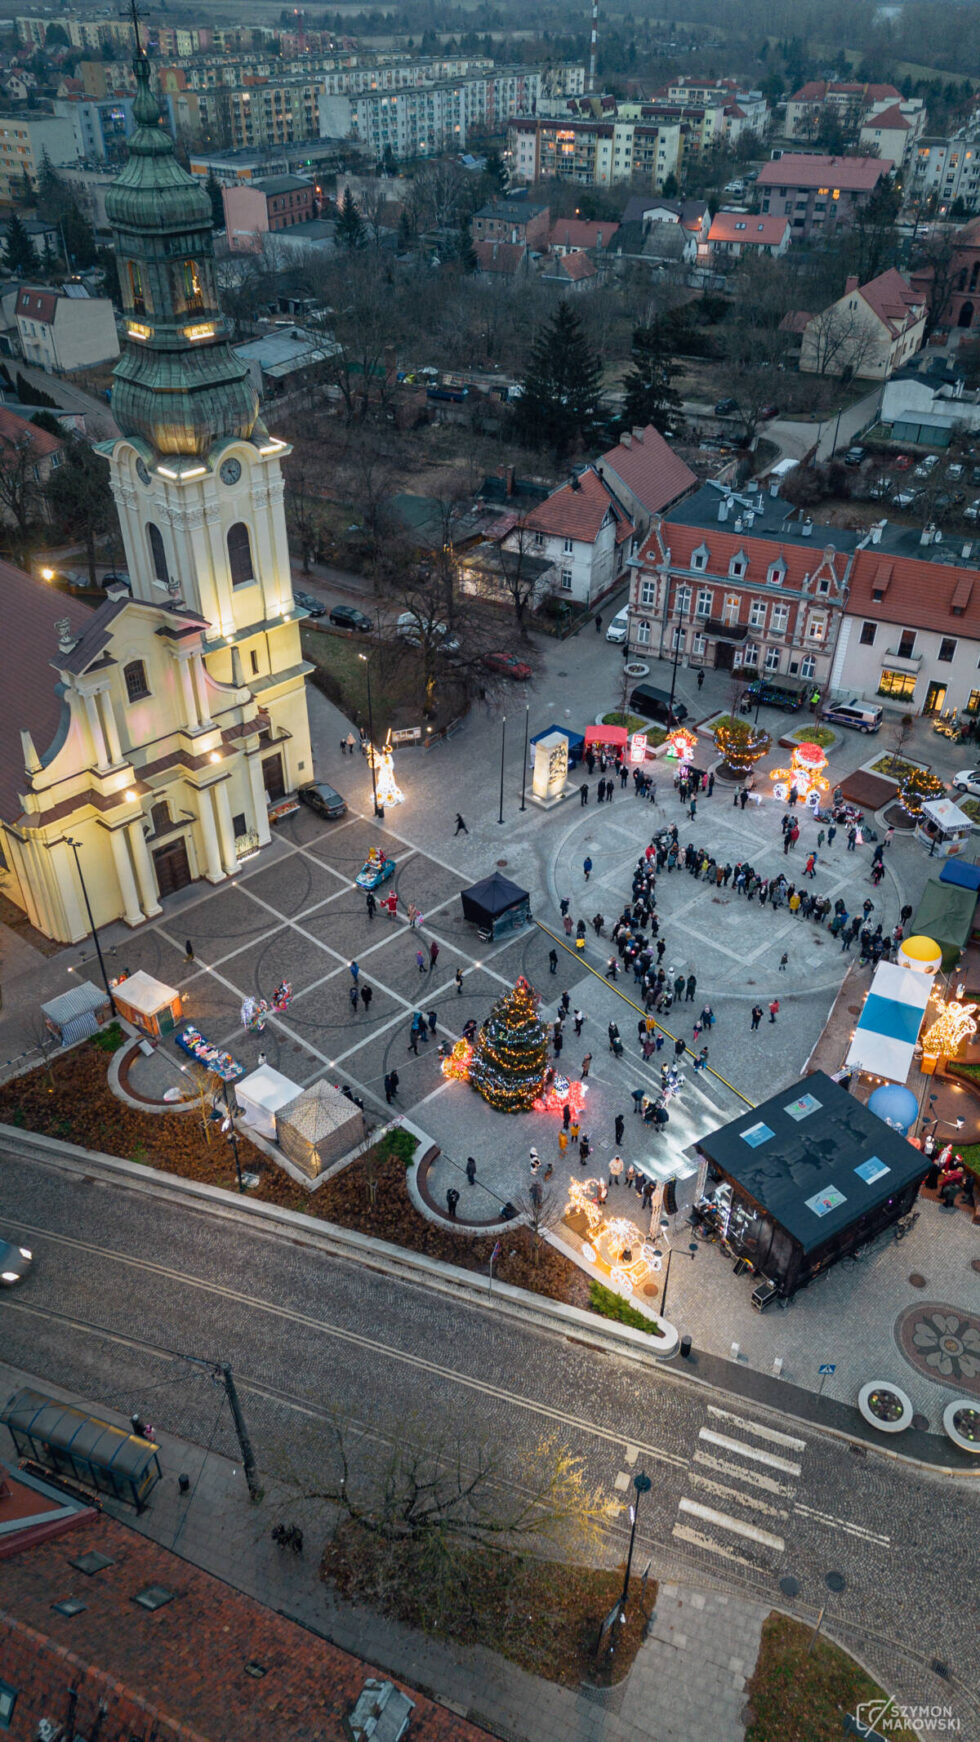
[
  {"x": 740, "y": 744},
  {"x": 919, "y": 787},
  {"x": 511, "y": 1054}
]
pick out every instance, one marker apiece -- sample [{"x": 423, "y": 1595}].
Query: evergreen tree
[
  {"x": 79, "y": 498},
  {"x": 559, "y": 404},
  {"x": 20, "y": 255},
  {"x": 213, "y": 188},
  {"x": 496, "y": 173},
  {"x": 467, "y": 253},
  {"x": 511, "y": 1053},
  {"x": 650, "y": 398},
  {"x": 351, "y": 233}
]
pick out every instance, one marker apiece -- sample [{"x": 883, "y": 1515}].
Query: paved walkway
[{"x": 687, "y": 1680}]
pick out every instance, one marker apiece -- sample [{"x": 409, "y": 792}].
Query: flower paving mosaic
[{"x": 943, "y": 1342}]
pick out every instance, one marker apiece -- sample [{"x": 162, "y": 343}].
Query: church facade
[{"x": 156, "y": 736}]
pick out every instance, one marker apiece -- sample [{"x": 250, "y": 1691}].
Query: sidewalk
[{"x": 688, "y": 1678}]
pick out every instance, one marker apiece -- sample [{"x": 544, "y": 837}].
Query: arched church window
[
  {"x": 240, "y": 554},
  {"x": 158, "y": 555},
  {"x": 190, "y": 287},
  {"x": 138, "y": 294},
  {"x": 160, "y": 817},
  {"x": 134, "y": 677}
]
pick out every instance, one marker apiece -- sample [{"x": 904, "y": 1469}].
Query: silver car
[{"x": 15, "y": 1262}]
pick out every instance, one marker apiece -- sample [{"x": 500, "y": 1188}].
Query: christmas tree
[{"x": 511, "y": 1055}]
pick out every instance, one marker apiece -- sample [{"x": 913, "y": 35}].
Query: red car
[
  {"x": 903, "y": 462},
  {"x": 767, "y": 412},
  {"x": 508, "y": 665}
]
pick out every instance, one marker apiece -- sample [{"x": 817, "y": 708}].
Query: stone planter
[
  {"x": 961, "y": 1422},
  {"x": 636, "y": 668},
  {"x": 885, "y": 1406}
]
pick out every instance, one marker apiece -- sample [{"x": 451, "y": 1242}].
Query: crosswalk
[{"x": 743, "y": 1478}]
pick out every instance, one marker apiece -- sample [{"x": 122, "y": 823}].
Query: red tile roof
[
  {"x": 889, "y": 118},
  {"x": 581, "y": 233},
  {"x": 748, "y": 228},
  {"x": 30, "y": 642},
  {"x": 917, "y": 594},
  {"x": 578, "y": 510},
  {"x": 16, "y": 429},
  {"x": 806, "y": 169},
  {"x": 722, "y": 543},
  {"x": 893, "y": 300},
  {"x": 817, "y": 89},
  {"x": 36, "y": 304},
  {"x": 505, "y": 257},
  {"x": 576, "y": 267},
  {"x": 179, "y": 1672},
  {"x": 649, "y": 467}
]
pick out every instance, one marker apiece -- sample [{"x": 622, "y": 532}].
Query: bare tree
[
  {"x": 839, "y": 342},
  {"x": 540, "y": 1209},
  {"x": 20, "y": 495}
]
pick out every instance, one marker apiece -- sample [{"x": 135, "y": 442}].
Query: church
[{"x": 155, "y": 736}]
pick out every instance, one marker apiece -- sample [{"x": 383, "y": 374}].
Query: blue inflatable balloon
[{"x": 896, "y": 1105}]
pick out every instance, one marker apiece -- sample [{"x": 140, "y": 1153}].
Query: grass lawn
[
  {"x": 396, "y": 682},
  {"x": 896, "y": 767},
  {"x": 635, "y": 723},
  {"x": 821, "y": 735},
  {"x": 542, "y": 1615},
  {"x": 799, "y": 1698}
]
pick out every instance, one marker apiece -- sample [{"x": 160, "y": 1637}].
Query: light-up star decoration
[
  {"x": 383, "y": 763},
  {"x": 680, "y": 744},
  {"x": 804, "y": 772}
]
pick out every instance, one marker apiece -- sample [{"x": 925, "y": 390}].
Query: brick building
[{"x": 819, "y": 194}]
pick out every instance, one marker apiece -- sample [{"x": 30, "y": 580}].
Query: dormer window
[
  {"x": 823, "y": 586},
  {"x": 776, "y": 574},
  {"x": 738, "y": 566},
  {"x": 699, "y": 560}
]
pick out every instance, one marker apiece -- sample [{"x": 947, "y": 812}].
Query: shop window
[
  {"x": 973, "y": 705},
  {"x": 240, "y": 555},
  {"x": 900, "y": 684},
  {"x": 135, "y": 677},
  {"x": 158, "y": 555}
]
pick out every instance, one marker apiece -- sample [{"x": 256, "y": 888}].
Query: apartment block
[
  {"x": 594, "y": 153},
  {"x": 24, "y": 140}
]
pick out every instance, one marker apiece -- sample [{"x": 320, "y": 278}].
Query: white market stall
[
  {"x": 147, "y": 1003},
  {"x": 888, "y": 1027},
  {"x": 943, "y": 827},
  {"x": 77, "y": 1013},
  {"x": 261, "y": 1095}
]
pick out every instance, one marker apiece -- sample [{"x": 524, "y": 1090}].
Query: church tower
[{"x": 196, "y": 476}]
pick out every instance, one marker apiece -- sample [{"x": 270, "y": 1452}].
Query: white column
[
  {"x": 201, "y": 687},
  {"x": 108, "y": 714},
  {"x": 226, "y": 831},
  {"x": 261, "y": 817},
  {"x": 187, "y": 689},
  {"x": 209, "y": 835},
  {"x": 132, "y": 912},
  {"x": 144, "y": 870},
  {"x": 95, "y": 727}
]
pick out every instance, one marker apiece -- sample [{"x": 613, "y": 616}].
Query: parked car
[
  {"x": 654, "y": 704},
  {"x": 15, "y": 1262},
  {"x": 975, "y": 475},
  {"x": 955, "y": 471},
  {"x": 926, "y": 466},
  {"x": 306, "y": 602},
  {"x": 619, "y": 627},
  {"x": 407, "y": 627},
  {"x": 903, "y": 462},
  {"x": 968, "y": 780},
  {"x": 906, "y": 498},
  {"x": 323, "y": 799},
  {"x": 973, "y": 511},
  {"x": 948, "y": 499},
  {"x": 508, "y": 665},
  {"x": 880, "y": 488},
  {"x": 725, "y": 407},
  {"x": 345, "y": 617},
  {"x": 860, "y": 716},
  {"x": 855, "y": 455},
  {"x": 768, "y": 412}
]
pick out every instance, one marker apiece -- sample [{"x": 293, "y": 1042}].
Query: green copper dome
[{"x": 178, "y": 384}]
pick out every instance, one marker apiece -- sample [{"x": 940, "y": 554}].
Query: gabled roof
[
  {"x": 575, "y": 267},
  {"x": 801, "y": 557},
  {"x": 513, "y": 211},
  {"x": 892, "y": 299},
  {"x": 581, "y": 233},
  {"x": 888, "y": 118},
  {"x": 689, "y": 213},
  {"x": 503, "y": 257},
  {"x": 804, "y": 169},
  {"x": 650, "y": 469},
  {"x": 579, "y": 509},
  {"x": 916, "y": 594},
  {"x": 748, "y": 228},
  {"x": 36, "y": 304},
  {"x": 16, "y": 429}
]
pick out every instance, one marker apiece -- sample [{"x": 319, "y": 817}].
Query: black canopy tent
[
  {"x": 496, "y": 905},
  {"x": 805, "y": 1178}
]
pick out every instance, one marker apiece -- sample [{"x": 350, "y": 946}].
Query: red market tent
[{"x": 606, "y": 735}]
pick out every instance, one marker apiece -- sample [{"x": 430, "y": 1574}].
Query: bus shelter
[{"x": 77, "y": 1445}]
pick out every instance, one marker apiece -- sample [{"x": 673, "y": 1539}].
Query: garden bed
[
  {"x": 798, "y": 1695},
  {"x": 822, "y": 735},
  {"x": 634, "y": 723},
  {"x": 370, "y": 1196},
  {"x": 542, "y": 1615}
]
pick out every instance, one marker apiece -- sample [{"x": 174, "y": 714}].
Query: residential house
[
  {"x": 29, "y": 455},
  {"x": 596, "y": 153},
  {"x": 584, "y": 532},
  {"x": 694, "y": 216},
  {"x": 911, "y": 633},
  {"x": 646, "y": 475},
  {"x": 819, "y": 194},
  {"x": 503, "y": 259},
  {"x": 847, "y": 103},
  {"x": 572, "y": 272},
  {"x": 101, "y": 127},
  {"x": 894, "y": 130},
  {"x": 62, "y": 330},
  {"x": 739, "y": 582},
  {"x": 579, "y": 235},
  {"x": 513, "y": 220},
  {"x": 286, "y": 358},
  {"x": 734, "y": 233},
  {"x": 259, "y": 208},
  {"x": 962, "y": 306},
  {"x": 870, "y": 331},
  {"x": 658, "y": 245},
  {"x": 929, "y": 412}
]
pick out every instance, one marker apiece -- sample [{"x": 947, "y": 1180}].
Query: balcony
[
  {"x": 725, "y": 631},
  {"x": 904, "y": 661}
]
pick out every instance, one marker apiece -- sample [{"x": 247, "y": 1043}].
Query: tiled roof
[
  {"x": 888, "y": 118},
  {"x": 723, "y": 542},
  {"x": 748, "y": 228},
  {"x": 917, "y": 594},
  {"x": 649, "y": 467},
  {"x": 576, "y": 267},
  {"x": 581, "y": 233},
  {"x": 891, "y": 299},
  {"x": 817, "y": 89},
  {"x": 14, "y": 429},
  {"x": 578, "y": 510},
  {"x": 795, "y": 321},
  {"x": 505, "y": 257},
  {"x": 30, "y": 611},
  {"x": 179, "y": 1672},
  {"x": 36, "y": 304},
  {"x": 808, "y": 170}
]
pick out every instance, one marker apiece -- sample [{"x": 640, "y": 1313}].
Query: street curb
[{"x": 606, "y": 1336}]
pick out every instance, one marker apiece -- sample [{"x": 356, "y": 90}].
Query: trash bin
[{"x": 686, "y": 1348}]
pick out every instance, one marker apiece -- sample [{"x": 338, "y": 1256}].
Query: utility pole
[{"x": 255, "y": 1489}]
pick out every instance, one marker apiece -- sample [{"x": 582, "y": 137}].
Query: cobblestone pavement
[{"x": 742, "y": 1497}]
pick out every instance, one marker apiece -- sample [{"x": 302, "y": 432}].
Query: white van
[{"x": 860, "y": 716}]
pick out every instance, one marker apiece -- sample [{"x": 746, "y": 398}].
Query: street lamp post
[
  {"x": 642, "y": 1484},
  {"x": 378, "y": 809},
  {"x": 503, "y": 741},
  {"x": 693, "y": 1250},
  {"x": 673, "y": 676},
  {"x": 92, "y": 926},
  {"x": 527, "y": 722}
]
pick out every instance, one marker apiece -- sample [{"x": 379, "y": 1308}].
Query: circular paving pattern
[{"x": 943, "y": 1342}]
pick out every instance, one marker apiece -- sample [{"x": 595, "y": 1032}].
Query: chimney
[
  {"x": 967, "y": 551},
  {"x": 851, "y": 283},
  {"x": 723, "y": 507},
  {"x": 807, "y": 529},
  {"x": 925, "y": 536},
  {"x": 876, "y": 535},
  {"x": 626, "y": 439},
  {"x": 749, "y": 518},
  {"x": 738, "y": 523},
  {"x": 509, "y": 474},
  {"x": 637, "y": 434},
  {"x": 66, "y": 640}
]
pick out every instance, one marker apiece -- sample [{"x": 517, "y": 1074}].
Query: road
[
  {"x": 794, "y": 439},
  {"x": 742, "y": 1497}
]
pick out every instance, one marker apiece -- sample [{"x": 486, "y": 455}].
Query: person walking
[
  {"x": 600, "y": 792},
  {"x": 701, "y": 1061},
  {"x": 460, "y": 828},
  {"x": 784, "y": 962},
  {"x": 578, "y": 1020},
  {"x": 583, "y": 794},
  {"x": 370, "y": 904},
  {"x": 692, "y": 986},
  {"x": 587, "y": 868},
  {"x": 567, "y": 923},
  {"x": 615, "y": 1169},
  {"x": 586, "y": 1065},
  {"x": 471, "y": 1170},
  {"x": 367, "y": 993},
  {"x": 557, "y": 1044},
  {"x": 756, "y": 1016},
  {"x": 413, "y": 1037},
  {"x": 394, "y": 1080},
  {"x": 680, "y": 1047},
  {"x": 693, "y": 809},
  {"x": 566, "y": 1115},
  {"x": 743, "y": 797},
  {"x": 354, "y": 972},
  {"x": 584, "y": 1150},
  {"x": 852, "y": 836},
  {"x": 598, "y": 624},
  {"x": 420, "y": 960},
  {"x": 352, "y": 999},
  {"x": 700, "y": 680},
  {"x": 774, "y": 1010},
  {"x": 711, "y": 783},
  {"x": 552, "y": 961},
  {"x": 619, "y": 1126},
  {"x": 562, "y": 1139},
  {"x": 433, "y": 1021},
  {"x": 458, "y": 977},
  {"x": 564, "y": 1002},
  {"x": 452, "y": 1199},
  {"x": 810, "y": 868},
  {"x": 433, "y": 954}
]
